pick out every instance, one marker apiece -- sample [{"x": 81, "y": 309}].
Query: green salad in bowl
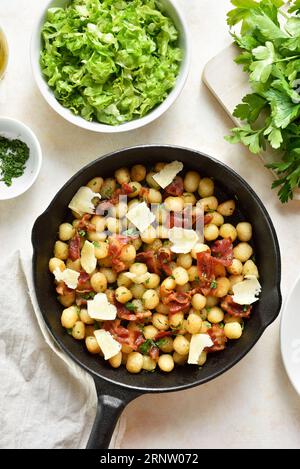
[{"x": 112, "y": 62}]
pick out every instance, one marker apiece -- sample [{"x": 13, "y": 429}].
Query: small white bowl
[
  {"x": 290, "y": 336},
  {"x": 46, "y": 91},
  {"x": 13, "y": 129}
]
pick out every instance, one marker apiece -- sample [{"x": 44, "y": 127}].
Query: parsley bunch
[{"x": 270, "y": 41}]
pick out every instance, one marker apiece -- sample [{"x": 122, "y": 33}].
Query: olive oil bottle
[{"x": 3, "y": 53}]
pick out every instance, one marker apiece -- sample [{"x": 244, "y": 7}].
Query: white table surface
[{"x": 252, "y": 405}]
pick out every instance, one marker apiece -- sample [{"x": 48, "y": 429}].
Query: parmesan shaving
[
  {"x": 88, "y": 259},
  {"x": 82, "y": 201},
  {"x": 198, "y": 343},
  {"x": 100, "y": 309},
  {"x": 109, "y": 346},
  {"x": 183, "y": 240},
  {"x": 141, "y": 216},
  {"x": 168, "y": 173},
  {"x": 247, "y": 291},
  {"x": 68, "y": 276}
]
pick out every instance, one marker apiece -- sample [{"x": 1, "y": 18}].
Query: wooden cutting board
[{"x": 231, "y": 88}]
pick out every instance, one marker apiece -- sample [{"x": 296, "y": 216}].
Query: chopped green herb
[
  {"x": 197, "y": 278},
  {"x": 245, "y": 308},
  {"x": 13, "y": 157},
  {"x": 172, "y": 277},
  {"x": 82, "y": 233},
  {"x": 213, "y": 284},
  {"x": 96, "y": 244},
  {"x": 89, "y": 296},
  {"x": 69, "y": 331},
  {"x": 146, "y": 346},
  {"x": 130, "y": 306},
  {"x": 160, "y": 342}
]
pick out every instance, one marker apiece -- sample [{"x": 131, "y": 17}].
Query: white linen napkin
[{"x": 47, "y": 400}]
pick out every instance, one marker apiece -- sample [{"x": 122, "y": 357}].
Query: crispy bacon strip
[
  {"x": 62, "y": 289},
  {"x": 157, "y": 262},
  {"x": 84, "y": 284},
  {"x": 162, "y": 334},
  {"x": 207, "y": 218},
  {"x": 164, "y": 257},
  {"x": 209, "y": 268},
  {"x": 176, "y": 187},
  {"x": 218, "y": 337},
  {"x": 150, "y": 258},
  {"x": 154, "y": 352},
  {"x": 114, "y": 200},
  {"x": 234, "y": 309},
  {"x": 74, "y": 248},
  {"x": 124, "y": 336},
  {"x": 116, "y": 244},
  {"x": 125, "y": 314},
  {"x": 177, "y": 301},
  {"x": 223, "y": 251},
  {"x": 206, "y": 266},
  {"x": 84, "y": 223}
]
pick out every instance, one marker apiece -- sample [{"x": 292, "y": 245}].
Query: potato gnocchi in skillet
[{"x": 153, "y": 271}]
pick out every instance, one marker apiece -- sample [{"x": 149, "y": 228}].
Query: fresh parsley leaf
[
  {"x": 274, "y": 136},
  {"x": 82, "y": 233},
  {"x": 251, "y": 108},
  {"x": 249, "y": 137},
  {"x": 262, "y": 67},
  {"x": 213, "y": 284}
]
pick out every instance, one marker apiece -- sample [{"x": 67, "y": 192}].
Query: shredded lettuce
[{"x": 110, "y": 61}]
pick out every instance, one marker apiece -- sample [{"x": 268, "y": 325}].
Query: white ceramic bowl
[
  {"x": 290, "y": 336},
  {"x": 13, "y": 129},
  {"x": 36, "y": 45}
]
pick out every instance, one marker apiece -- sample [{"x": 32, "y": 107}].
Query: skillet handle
[{"x": 111, "y": 403}]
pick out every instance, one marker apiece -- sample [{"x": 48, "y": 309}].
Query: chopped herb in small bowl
[{"x": 20, "y": 158}]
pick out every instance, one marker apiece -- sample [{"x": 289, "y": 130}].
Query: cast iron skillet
[{"x": 116, "y": 387}]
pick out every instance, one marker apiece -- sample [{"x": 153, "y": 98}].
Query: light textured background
[{"x": 253, "y": 405}]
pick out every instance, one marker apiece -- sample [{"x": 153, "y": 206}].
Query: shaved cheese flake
[
  {"x": 100, "y": 309},
  {"x": 138, "y": 279},
  {"x": 168, "y": 173},
  {"x": 88, "y": 259},
  {"x": 183, "y": 240},
  {"x": 69, "y": 276},
  {"x": 246, "y": 292},
  {"x": 141, "y": 216},
  {"x": 198, "y": 343},
  {"x": 82, "y": 201},
  {"x": 109, "y": 346}
]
